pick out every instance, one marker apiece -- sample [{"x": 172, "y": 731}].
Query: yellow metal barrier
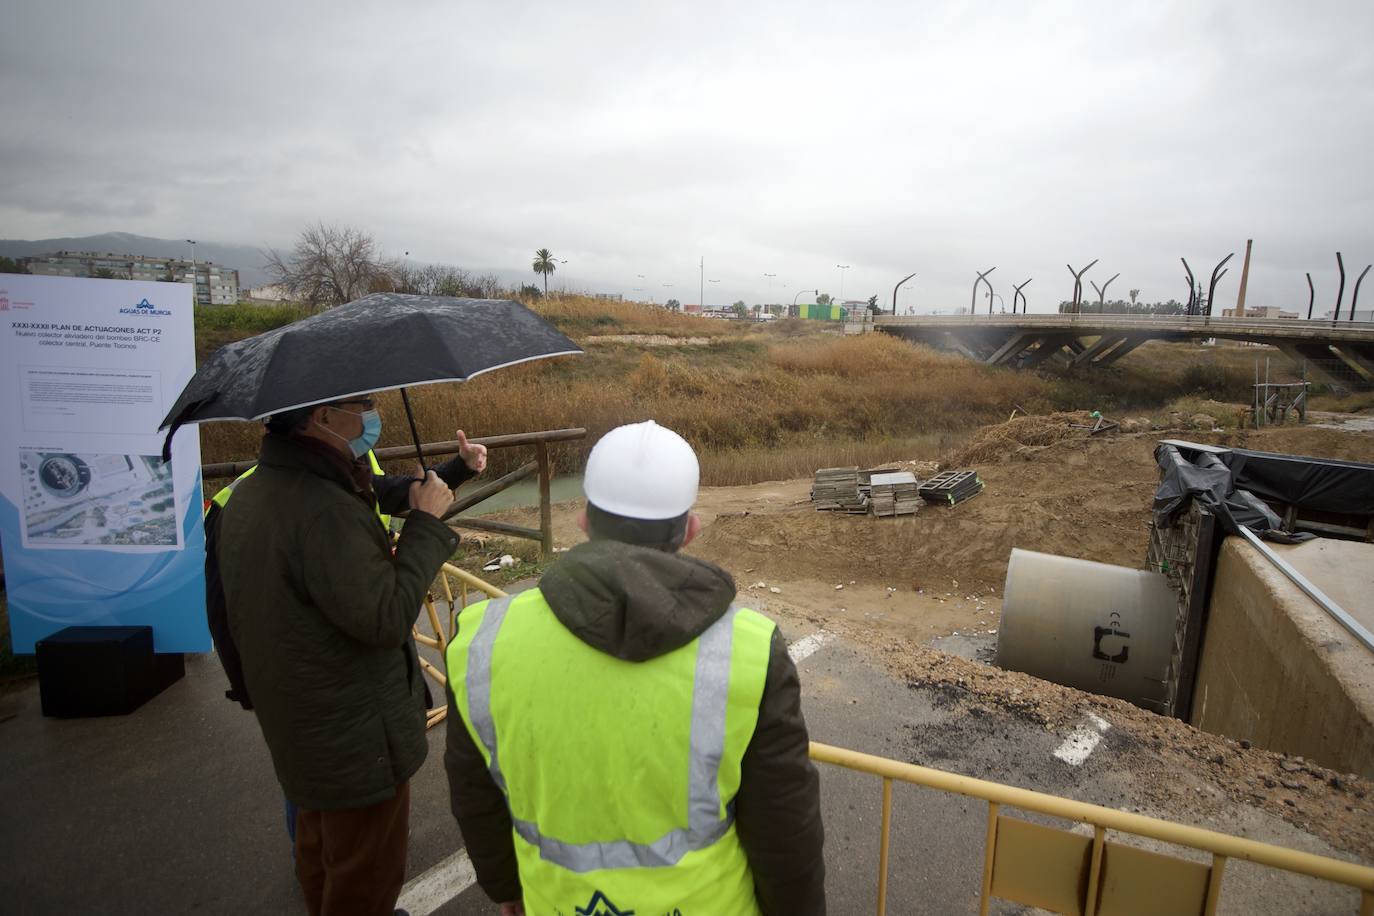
[
  {"x": 1065, "y": 872},
  {"x": 439, "y": 641}
]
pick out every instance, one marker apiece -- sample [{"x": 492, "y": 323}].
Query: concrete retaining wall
[{"x": 1276, "y": 669}]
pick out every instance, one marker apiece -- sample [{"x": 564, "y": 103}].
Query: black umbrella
[{"x": 376, "y": 343}]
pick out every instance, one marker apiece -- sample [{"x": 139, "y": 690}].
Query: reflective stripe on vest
[
  {"x": 710, "y": 696},
  {"x": 222, "y": 497}
]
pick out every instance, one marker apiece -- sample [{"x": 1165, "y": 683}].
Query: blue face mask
[
  {"x": 372, "y": 431},
  {"x": 367, "y": 440}
]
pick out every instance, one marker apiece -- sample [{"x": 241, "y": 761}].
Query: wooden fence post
[{"x": 545, "y": 502}]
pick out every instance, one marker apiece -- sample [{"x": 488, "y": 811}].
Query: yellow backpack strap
[{"x": 222, "y": 497}]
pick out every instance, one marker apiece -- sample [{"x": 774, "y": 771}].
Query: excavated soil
[{"x": 893, "y": 585}]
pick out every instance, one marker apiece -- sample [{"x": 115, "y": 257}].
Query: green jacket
[{"x": 321, "y": 612}]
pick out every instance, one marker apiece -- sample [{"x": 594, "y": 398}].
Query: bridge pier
[
  {"x": 1362, "y": 363},
  {"x": 1104, "y": 343},
  {"x": 1017, "y": 344},
  {"x": 1127, "y": 344},
  {"x": 1341, "y": 352},
  {"x": 1324, "y": 363},
  {"x": 960, "y": 344},
  {"x": 1050, "y": 345}
]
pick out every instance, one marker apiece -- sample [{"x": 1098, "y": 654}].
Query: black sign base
[{"x": 102, "y": 671}]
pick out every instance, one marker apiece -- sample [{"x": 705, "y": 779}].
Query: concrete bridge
[{"x": 1340, "y": 352}]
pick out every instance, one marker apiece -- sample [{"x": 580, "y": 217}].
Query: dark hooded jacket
[
  {"x": 637, "y": 603},
  {"x": 392, "y": 495},
  {"x": 321, "y": 612}
]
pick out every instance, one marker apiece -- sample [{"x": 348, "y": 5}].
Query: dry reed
[{"x": 757, "y": 402}]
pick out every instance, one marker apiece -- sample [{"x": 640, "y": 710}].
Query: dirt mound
[
  {"x": 1079, "y": 498},
  {"x": 1338, "y": 807},
  {"x": 1001, "y": 440},
  {"x": 1076, "y": 496}
]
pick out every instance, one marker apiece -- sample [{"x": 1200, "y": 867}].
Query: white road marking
[
  {"x": 427, "y": 892},
  {"x": 1082, "y": 741},
  {"x": 804, "y": 647}
]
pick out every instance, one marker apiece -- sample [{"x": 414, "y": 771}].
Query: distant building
[
  {"x": 692, "y": 308},
  {"x": 271, "y": 292},
  {"x": 614, "y": 297},
  {"x": 1268, "y": 311},
  {"x": 1360, "y": 315},
  {"x": 214, "y": 285}
]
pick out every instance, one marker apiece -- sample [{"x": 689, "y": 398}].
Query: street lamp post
[
  {"x": 195, "y": 287},
  {"x": 702, "y": 278},
  {"x": 895, "y": 288},
  {"x": 1102, "y": 293},
  {"x": 1078, "y": 284},
  {"x": 1216, "y": 278},
  {"x": 816, "y": 292},
  {"x": 843, "y": 268},
  {"x": 973, "y": 300},
  {"x": 1019, "y": 295}
]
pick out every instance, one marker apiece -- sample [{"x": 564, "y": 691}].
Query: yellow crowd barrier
[
  {"x": 439, "y": 640},
  {"x": 1066, "y": 872}
]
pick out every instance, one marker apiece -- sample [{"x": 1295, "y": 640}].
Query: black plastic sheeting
[
  {"x": 1236, "y": 485},
  {"x": 1318, "y": 484}
]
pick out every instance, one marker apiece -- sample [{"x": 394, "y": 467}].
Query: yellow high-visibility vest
[{"x": 620, "y": 776}]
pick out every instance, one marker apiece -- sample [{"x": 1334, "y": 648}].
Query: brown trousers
[{"x": 352, "y": 862}]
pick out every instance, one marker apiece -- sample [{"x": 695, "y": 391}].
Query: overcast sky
[{"x": 770, "y": 138}]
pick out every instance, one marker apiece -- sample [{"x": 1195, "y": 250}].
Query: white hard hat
[{"x": 642, "y": 471}]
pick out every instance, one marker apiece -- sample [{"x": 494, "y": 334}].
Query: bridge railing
[{"x": 1141, "y": 321}]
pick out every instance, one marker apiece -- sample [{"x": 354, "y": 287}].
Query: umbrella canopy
[{"x": 376, "y": 343}]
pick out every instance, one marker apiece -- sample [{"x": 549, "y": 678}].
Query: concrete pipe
[{"x": 1104, "y": 629}]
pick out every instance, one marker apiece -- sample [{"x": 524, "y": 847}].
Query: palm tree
[{"x": 544, "y": 264}]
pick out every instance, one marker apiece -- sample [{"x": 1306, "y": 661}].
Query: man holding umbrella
[
  {"x": 319, "y": 605},
  {"x": 321, "y": 611}
]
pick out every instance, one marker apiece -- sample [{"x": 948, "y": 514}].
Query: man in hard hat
[{"x": 626, "y": 737}]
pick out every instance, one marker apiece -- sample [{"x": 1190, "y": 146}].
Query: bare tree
[{"x": 330, "y": 265}]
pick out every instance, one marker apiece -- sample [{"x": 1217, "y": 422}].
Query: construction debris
[
  {"x": 894, "y": 493},
  {"x": 1101, "y": 424},
  {"x": 839, "y": 490},
  {"x": 951, "y": 487}
]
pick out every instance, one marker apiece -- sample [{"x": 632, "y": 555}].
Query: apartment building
[{"x": 214, "y": 284}]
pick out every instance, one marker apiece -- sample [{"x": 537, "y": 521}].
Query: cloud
[{"x": 769, "y": 138}]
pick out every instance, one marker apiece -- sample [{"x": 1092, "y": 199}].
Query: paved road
[{"x": 175, "y": 809}]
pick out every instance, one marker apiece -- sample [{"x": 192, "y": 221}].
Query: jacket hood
[{"x": 635, "y": 603}]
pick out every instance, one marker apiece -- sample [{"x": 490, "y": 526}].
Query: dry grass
[
  {"x": 765, "y": 402},
  {"x": 1354, "y": 402},
  {"x": 579, "y": 316},
  {"x": 995, "y": 442},
  {"x": 746, "y": 403}
]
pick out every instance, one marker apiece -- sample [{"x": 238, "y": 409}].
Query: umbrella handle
[
  {"x": 414, "y": 432},
  {"x": 179, "y": 421}
]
